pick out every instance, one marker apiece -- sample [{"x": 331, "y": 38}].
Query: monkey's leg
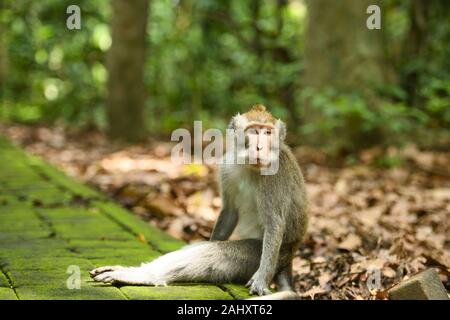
[
  {"x": 285, "y": 287},
  {"x": 225, "y": 225},
  {"x": 216, "y": 262},
  {"x": 283, "y": 279}
]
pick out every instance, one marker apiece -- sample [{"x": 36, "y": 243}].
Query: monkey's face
[
  {"x": 259, "y": 136},
  {"x": 260, "y": 142}
]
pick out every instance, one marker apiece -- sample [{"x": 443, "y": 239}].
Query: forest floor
[{"x": 372, "y": 223}]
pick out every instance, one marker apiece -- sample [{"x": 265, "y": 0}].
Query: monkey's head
[{"x": 262, "y": 133}]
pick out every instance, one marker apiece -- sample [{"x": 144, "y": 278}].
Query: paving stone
[
  {"x": 157, "y": 238},
  {"x": 59, "y": 264},
  {"x": 181, "y": 292},
  {"x": 7, "y": 237},
  {"x": 16, "y": 213},
  {"x": 31, "y": 224},
  {"x": 98, "y": 292},
  {"x": 7, "y": 294},
  {"x": 61, "y": 179},
  {"x": 57, "y": 277},
  {"x": 49, "y": 222},
  {"x": 4, "y": 283},
  {"x": 425, "y": 285},
  {"x": 237, "y": 291}
]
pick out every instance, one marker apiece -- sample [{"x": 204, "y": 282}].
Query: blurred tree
[
  {"x": 211, "y": 59},
  {"x": 343, "y": 54},
  {"x": 3, "y": 53},
  {"x": 415, "y": 44},
  {"x": 126, "y": 60}
]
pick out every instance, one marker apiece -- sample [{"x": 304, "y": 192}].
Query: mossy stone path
[{"x": 52, "y": 226}]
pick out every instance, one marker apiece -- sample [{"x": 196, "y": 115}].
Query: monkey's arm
[
  {"x": 225, "y": 224},
  {"x": 272, "y": 239}
]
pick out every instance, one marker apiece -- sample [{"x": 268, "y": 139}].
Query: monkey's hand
[{"x": 258, "y": 285}]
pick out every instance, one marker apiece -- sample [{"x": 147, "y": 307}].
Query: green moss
[
  {"x": 8, "y": 201},
  {"x": 180, "y": 292},
  {"x": 67, "y": 214},
  {"x": 7, "y": 294},
  {"x": 32, "y": 224},
  {"x": 61, "y": 179},
  {"x": 4, "y": 283},
  {"x": 47, "y": 196},
  {"x": 54, "y": 278},
  {"x": 91, "y": 231},
  {"x": 107, "y": 248},
  {"x": 108, "y": 244},
  {"x": 47, "y": 263},
  {"x": 157, "y": 238},
  {"x": 29, "y": 249},
  {"x": 15, "y": 213},
  {"x": 8, "y": 237},
  {"x": 26, "y": 215},
  {"x": 99, "y": 292},
  {"x": 75, "y": 223},
  {"x": 237, "y": 291},
  {"x": 131, "y": 260},
  {"x": 144, "y": 255},
  {"x": 23, "y": 185}
]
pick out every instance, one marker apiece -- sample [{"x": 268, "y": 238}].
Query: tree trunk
[
  {"x": 282, "y": 54},
  {"x": 3, "y": 58},
  {"x": 415, "y": 46},
  {"x": 342, "y": 53},
  {"x": 340, "y": 50},
  {"x": 126, "y": 59}
]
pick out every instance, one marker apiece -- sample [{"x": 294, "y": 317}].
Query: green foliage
[
  {"x": 352, "y": 117},
  {"x": 437, "y": 102},
  {"x": 54, "y": 73},
  {"x": 209, "y": 59}
]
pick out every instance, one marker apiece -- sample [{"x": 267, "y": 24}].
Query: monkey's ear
[
  {"x": 281, "y": 126},
  {"x": 238, "y": 122}
]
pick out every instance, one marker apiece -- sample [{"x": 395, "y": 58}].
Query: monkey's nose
[{"x": 259, "y": 148}]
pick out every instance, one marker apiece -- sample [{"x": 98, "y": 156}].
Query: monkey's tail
[
  {"x": 280, "y": 295},
  {"x": 216, "y": 262},
  {"x": 212, "y": 261}
]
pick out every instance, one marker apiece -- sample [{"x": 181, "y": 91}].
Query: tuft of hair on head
[
  {"x": 258, "y": 107},
  {"x": 258, "y": 113}
]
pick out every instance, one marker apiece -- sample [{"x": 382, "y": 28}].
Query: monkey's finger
[
  {"x": 266, "y": 292},
  {"x": 100, "y": 270},
  {"x": 262, "y": 292},
  {"x": 104, "y": 277},
  {"x": 255, "y": 291},
  {"x": 249, "y": 283}
]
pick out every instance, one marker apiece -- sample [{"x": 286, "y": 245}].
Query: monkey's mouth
[{"x": 262, "y": 163}]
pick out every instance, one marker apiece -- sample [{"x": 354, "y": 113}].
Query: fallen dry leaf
[{"x": 352, "y": 242}]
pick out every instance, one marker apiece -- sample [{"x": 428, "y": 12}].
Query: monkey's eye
[
  {"x": 252, "y": 131},
  {"x": 268, "y": 132}
]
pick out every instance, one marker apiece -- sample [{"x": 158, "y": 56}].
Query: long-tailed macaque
[{"x": 267, "y": 213}]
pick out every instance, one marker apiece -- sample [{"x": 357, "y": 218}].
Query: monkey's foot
[
  {"x": 100, "y": 270},
  {"x": 258, "y": 286},
  {"x": 122, "y": 275}
]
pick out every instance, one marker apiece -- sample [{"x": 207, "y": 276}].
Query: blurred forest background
[
  {"x": 315, "y": 64},
  {"x": 368, "y": 114}
]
